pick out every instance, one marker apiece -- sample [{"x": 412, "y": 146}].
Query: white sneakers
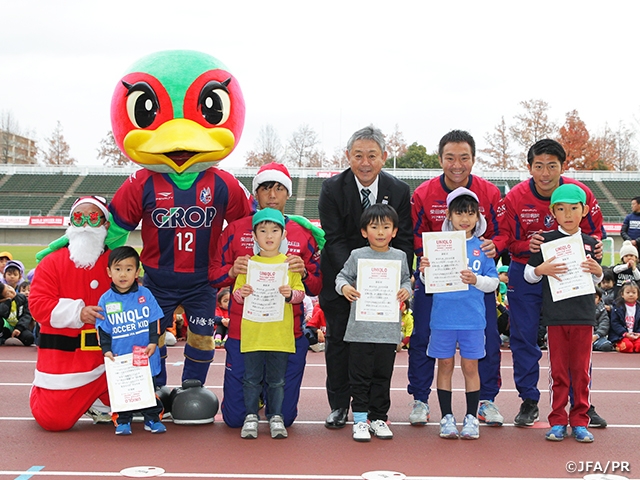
[{"x": 362, "y": 431}]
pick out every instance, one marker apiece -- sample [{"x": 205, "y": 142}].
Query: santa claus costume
[{"x": 69, "y": 374}]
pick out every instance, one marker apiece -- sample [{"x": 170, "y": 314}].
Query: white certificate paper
[
  {"x": 575, "y": 282},
  {"x": 130, "y": 387},
  {"x": 447, "y": 254},
  {"x": 266, "y": 303},
  {"x": 378, "y": 283}
]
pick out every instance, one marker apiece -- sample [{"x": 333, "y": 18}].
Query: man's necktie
[{"x": 366, "y": 203}]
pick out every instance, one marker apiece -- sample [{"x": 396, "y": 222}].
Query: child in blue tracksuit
[{"x": 131, "y": 316}]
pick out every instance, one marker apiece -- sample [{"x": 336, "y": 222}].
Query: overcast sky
[{"x": 428, "y": 66}]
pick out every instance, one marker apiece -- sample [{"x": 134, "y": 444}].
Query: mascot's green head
[{"x": 177, "y": 111}]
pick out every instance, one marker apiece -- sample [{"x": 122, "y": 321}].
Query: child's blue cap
[
  {"x": 268, "y": 215},
  {"x": 503, "y": 269},
  {"x": 568, "y": 193}
]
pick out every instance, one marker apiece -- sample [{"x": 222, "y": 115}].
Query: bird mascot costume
[{"x": 177, "y": 114}]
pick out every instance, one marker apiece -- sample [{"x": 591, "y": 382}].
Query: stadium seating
[{"x": 26, "y": 192}]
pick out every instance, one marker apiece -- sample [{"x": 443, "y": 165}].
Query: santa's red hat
[
  {"x": 272, "y": 172},
  {"x": 96, "y": 200}
]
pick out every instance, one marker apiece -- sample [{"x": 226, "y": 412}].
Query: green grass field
[{"x": 25, "y": 253}]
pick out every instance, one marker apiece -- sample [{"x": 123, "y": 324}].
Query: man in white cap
[
  {"x": 272, "y": 187},
  {"x": 69, "y": 377}
]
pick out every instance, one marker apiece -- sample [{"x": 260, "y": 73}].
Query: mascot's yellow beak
[{"x": 178, "y": 144}]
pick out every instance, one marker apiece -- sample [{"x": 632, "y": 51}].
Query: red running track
[{"x": 314, "y": 452}]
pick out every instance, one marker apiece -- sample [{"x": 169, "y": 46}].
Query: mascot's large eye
[
  {"x": 142, "y": 104},
  {"x": 214, "y": 102}
]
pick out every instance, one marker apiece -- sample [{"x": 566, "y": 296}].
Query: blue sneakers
[
  {"x": 154, "y": 427},
  {"x": 123, "y": 429},
  {"x": 470, "y": 428},
  {"x": 581, "y": 434},
  {"x": 448, "y": 427},
  {"x": 557, "y": 433}
]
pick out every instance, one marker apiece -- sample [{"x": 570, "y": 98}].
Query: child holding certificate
[
  {"x": 458, "y": 317},
  {"x": 569, "y": 320},
  {"x": 373, "y": 330},
  {"x": 267, "y": 321},
  {"x": 131, "y": 319}
]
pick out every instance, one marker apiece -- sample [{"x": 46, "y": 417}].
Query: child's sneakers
[
  {"x": 276, "y": 425},
  {"x": 361, "y": 432},
  {"x": 218, "y": 341},
  {"x": 581, "y": 434},
  {"x": 381, "y": 430},
  {"x": 123, "y": 429},
  {"x": 557, "y": 433},
  {"x": 448, "y": 427},
  {"x": 154, "y": 427},
  {"x": 489, "y": 414},
  {"x": 470, "y": 428},
  {"x": 250, "y": 427}
]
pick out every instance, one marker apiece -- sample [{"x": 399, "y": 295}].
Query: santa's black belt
[{"x": 86, "y": 341}]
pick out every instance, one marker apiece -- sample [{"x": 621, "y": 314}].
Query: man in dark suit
[{"x": 342, "y": 200}]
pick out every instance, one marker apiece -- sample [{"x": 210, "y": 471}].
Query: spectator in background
[
  {"x": 4, "y": 258},
  {"x": 630, "y": 229},
  {"x": 15, "y": 318},
  {"x": 13, "y": 273},
  {"x": 406, "y": 328},
  {"x": 222, "y": 317},
  {"x": 315, "y": 329},
  {"x": 626, "y": 270},
  {"x": 624, "y": 331},
  {"x": 601, "y": 329},
  {"x": 607, "y": 284}
]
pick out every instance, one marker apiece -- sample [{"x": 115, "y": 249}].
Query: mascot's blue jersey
[
  {"x": 127, "y": 319},
  {"x": 180, "y": 228}
]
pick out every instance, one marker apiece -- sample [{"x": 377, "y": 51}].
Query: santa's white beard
[{"x": 86, "y": 244}]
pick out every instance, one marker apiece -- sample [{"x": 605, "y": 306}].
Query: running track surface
[{"x": 314, "y": 452}]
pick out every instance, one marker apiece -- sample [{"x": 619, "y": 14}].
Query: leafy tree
[
  {"x": 416, "y": 157},
  {"x": 499, "y": 150},
  {"x": 58, "y": 151},
  {"x": 267, "y": 148},
  {"x": 574, "y": 138},
  {"x": 302, "y": 149},
  {"x": 109, "y": 153}
]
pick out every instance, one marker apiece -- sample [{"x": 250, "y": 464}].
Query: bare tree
[
  {"x": 499, "y": 150},
  {"x": 532, "y": 125},
  {"x": 267, "y": 148},
  {"x": 58, "y": 151},
  {"x": 109, "y": 152},
  {"x": 625, "y": 155},
  {"x": 396, "y": 144},
  {"x": 337, "y": 161},
  {"x": 302, "y": 149}
]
